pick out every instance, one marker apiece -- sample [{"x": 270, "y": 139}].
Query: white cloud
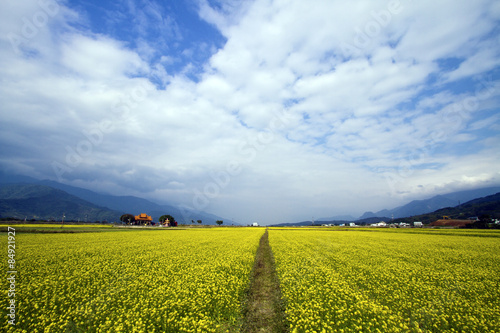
[
  {"x": 313, "y": 116},
  {"x": 100, "y": 58},
  {"x": 485, "y": 59},
  {"x": 490, "y": 122}
]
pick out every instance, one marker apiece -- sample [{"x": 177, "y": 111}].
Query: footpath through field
[{"x": 264, "y": 310}]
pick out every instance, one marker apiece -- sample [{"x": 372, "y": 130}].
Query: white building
[{"x": 380, "y": 224}]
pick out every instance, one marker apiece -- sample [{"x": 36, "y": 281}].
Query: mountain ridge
[
  {"x": 123, "y": 204},
  {"x": 136, "y": 205},
  {"x": 417, "y": 207},
  {"x": 36, "y": 201},
  {"x": 488, "y": 205},
  {"x": 426, "y": 204}
]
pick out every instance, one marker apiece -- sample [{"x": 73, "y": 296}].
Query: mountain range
[
  {"x": 417, "y": 207},
  {"x": 488, "y": 205},
  {"x": 461, "y": 204},
  {"x": 26, "y": 197},
  {"x": 42, "y": 202}
]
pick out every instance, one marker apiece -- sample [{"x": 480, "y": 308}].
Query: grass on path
[{"x": 264, "y": 310}]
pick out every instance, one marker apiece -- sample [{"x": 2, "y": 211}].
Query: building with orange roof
[{"x": 143, "y": 218}]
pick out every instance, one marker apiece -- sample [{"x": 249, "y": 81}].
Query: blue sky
[{"x": 268, "y": 111}]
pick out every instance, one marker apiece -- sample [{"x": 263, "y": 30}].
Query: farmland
[
  {"x": 132, "y": 281},
  {"x": 385, "y": 281},
  {"x": 103, "y": 279}
]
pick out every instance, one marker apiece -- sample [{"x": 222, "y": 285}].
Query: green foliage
[
  {"x": 127, "y": 218},
  {"x": 9, "y": 219},
  {"x": 219, "y": 222},
  {"x": 163, "y": 218}
]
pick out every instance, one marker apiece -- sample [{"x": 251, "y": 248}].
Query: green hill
[
  {"x": 43, "y": 202},
  {"x": 489, "y": 205}
]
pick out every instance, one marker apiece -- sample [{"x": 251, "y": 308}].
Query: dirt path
[{"x": 264, "y": 311}]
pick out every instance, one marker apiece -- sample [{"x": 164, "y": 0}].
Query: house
[
  {"x": 255, "y": 224},
  {"x": 143, "y": 219},
  {"x": 417, "y": 224},
  {"x": 380, "y": 224}
]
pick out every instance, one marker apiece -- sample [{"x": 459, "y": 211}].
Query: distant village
[
  {"x": 445, "y": 221},
  {"x": 144, "y": 219}
]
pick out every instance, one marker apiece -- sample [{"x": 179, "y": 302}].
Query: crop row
[
  {"x": 354, "y": 281},
  {"x": 145, "y": 281}
]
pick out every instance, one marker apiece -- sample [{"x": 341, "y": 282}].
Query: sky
[{"x": 260, "y": 111}]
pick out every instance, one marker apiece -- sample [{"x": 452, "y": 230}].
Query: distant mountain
[
  {"x": 295, "y": 224},
  {"x": 417, "y": 207},
  {"x": 489, "y": 205},
  {"x": 338, "y": 218},
  {"x": 374, "y": 219},
  {"x": 122, "y": 204},
  {"x": 368, "y": 215},
  {"x": 44, "y": 202},
  {"x": 14, "y": 179},
  {"x": 135, "y": 205}
]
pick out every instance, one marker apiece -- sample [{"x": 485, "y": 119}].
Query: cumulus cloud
[{"x": 306, "y": 109}]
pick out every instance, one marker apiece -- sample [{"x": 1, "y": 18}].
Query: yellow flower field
[
  {"x": 384, "y": 281},
  {"x": 131, "y": 281}
]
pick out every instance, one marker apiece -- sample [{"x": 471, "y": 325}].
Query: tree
[
  {"x": 170, "y": 219},
  {"x": 127, "y": 218},
  {"x": 219, "y": 222},
  {"x": 163, "y": 218},
  {"x": 199, "y": 221},
  {"x": 485, "y": 218},
  {"x": 483, "y": 223},
  {"x": 192, "y": 221}
]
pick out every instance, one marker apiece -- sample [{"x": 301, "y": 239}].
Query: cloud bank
[{"x": 268, "y": 111}]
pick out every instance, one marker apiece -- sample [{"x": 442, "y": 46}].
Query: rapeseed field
[
  {"x": 132, "y": 281},
  {"x": 194, "y": 280},
  {"x": 364, "y": 281}
]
